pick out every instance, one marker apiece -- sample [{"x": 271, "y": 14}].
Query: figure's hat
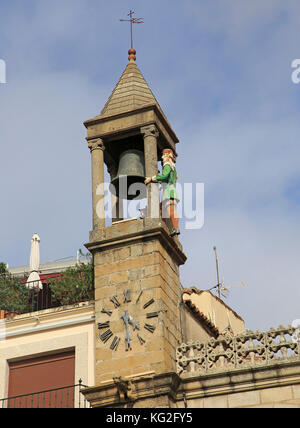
[{"x": 168, "y": 152}]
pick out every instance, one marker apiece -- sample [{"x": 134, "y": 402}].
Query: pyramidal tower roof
[
  {"x": 131, "y": 92},
  {"x": 131, "y": 106}
]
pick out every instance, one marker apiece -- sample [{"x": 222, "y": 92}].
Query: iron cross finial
[{"x": 132, "y": 21}]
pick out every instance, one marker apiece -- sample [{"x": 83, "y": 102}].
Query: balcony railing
[
  {"x": 251, "y": 349},
  {"x": 68, "y": 397},
  {"x": 34, "y": 299},
  {"x": 18, "y": 297}
]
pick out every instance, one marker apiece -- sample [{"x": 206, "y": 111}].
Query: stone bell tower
[{"x": 137, "y": 284}]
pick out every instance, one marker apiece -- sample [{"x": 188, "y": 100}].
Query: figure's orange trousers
[{"x": 171, "y": 206}]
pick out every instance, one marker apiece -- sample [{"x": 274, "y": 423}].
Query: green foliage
[
  {"x": 74, "y": 285},
  {"x": 14, "y": 295},
  {"x": 3, "y": 268}
]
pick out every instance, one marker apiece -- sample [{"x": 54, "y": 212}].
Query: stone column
[
  {"x": 150, "y": 134},
  {"x": 97, "y": 154},
  {"x": 116, "y": 202}
]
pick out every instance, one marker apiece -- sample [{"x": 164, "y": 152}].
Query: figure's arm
[{"x": 164, "y": 176}]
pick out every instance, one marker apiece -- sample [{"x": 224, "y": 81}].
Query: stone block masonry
[{"x": 143, "y": 270}]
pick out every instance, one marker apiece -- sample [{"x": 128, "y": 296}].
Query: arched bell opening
[
  {"x": 128, "y": 159},
  {"x": 125, "y": 160}
]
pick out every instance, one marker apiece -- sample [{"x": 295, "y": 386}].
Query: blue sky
[{"x": 221, "y": 71}]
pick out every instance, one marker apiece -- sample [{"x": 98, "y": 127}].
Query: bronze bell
[{"x": 131, "y": 170}]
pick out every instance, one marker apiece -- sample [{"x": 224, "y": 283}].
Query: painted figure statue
[{"x": 170, "y": 198}]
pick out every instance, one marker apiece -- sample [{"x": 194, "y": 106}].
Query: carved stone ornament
[
  {"x": 150, "y": 131},
  {"x": 96, "y": 145},
  {"x": 125, "y": 389},
  {"x": 251, "y": 349}
]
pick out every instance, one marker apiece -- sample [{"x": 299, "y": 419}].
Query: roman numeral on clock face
[
  {"x": 106, "y": 336},
  {"x": 149, "y": 327},
  {"x": 105, "y": 311},
  {"x": 152, "y": 315},
  {"x": 115, "y": 343},
  {"x": 146, "y": 305},
  {"x": 103, "y": 325},
  {"x": 115, "y": 302},
  {"x": 140, "y": 295},
  {"x": 127, "y": 298}
]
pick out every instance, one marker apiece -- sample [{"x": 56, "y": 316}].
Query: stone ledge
[
  {"x": 272, "y": 386},
  {"x": 239, "y": 380},
  {"x": 141, "y": 389},
  {"x": 46, "y": 315}
]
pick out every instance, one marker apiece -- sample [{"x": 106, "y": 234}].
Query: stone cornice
[
  {"x": 100, "y": 119},
  {"x": 145, "y": 234},
  {"x": 50, "y": 319}
]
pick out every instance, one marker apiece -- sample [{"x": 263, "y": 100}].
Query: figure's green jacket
[{"x": 169, "y": 178}]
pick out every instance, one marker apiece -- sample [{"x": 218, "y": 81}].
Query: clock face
[{"x": 127, "y": 319}]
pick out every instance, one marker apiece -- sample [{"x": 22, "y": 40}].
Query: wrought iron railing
[
  {"x": 33, "y": 299},
  {"x": 68, "y": 397},
  {"x": 17, "y": 298},
  {"x": 252, "y": 349}
]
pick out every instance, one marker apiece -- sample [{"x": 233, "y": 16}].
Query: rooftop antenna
[
  {"x": 132, "y": 21},
  {"x": 218, "y": 286},
  {"x": 221, "y": 290}
]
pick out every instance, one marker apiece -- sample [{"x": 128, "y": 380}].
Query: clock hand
[
  {"x": 126, "y": 318},
  {"x": 135, "y": 325}
]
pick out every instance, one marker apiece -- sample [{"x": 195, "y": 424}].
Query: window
[{"x": 46, "y": 381}]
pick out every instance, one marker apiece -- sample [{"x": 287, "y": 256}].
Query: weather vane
[{"x": 132, "y": 21}]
